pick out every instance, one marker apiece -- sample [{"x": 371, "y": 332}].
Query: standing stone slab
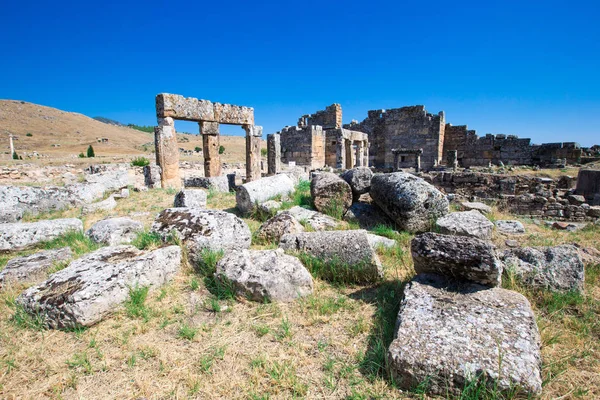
[
  {"x": 350, "y": 252},
  {"x": 95, "y": 285},
  {"x": 274, "y": 153},
  {"x": 457, "y": 257},
  {"x": 359, "y": 180},
  {"x": 588, "y": 185},
  {"x": 115, "y": 231},
  {"x": 265, "y": 275},
  {"x": 22, "y": 235},
  {"x": 33, "y": 268},
  {"x": 466, "y": 223},
  {"x": 329, "y": 191},
  {"x": 203, "y": 229},
  {"x": 152, "y": 176},
  {"x": 448, "y": 333},
  {"x": 193, "y": 198},
  {"x": 557, "y": 268},
  {"x": 410, "y": 201},
  {"x": 256, "y": 192}
]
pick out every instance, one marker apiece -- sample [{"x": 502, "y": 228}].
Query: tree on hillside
[
  {"x": 90, "y": 151},
  {"x": 15, "y": 156}
]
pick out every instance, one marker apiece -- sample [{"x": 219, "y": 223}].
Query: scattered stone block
[
  {"x": 115, "y": 231},
  {"x": 33, "y": 268},
  {"x": 270, "y": 206},
  {"x": 203, "y": 229},
  {"x": 104, "y": 205},
  {"x": 588, "y": 185},
  {"x": 448, "y": 333},
  {"x": 351, "y": 252},
  {"x": 359, "y": 180},
  {"x": 466, "y": 223},
  {"x": 410, "y": 202},
  {"x": 367, "y": 215},
  {"x": 329, "y": 191},
  {"x": 316, "y": 220},
  {"x": 261, "y": 190},
  {"x": 510, "y": 227},
  {"x": 193, "y": 198},
  {"x": 481, "y": 207},
  {"x": 281, "y": 224},
  {"x": 23, "y": 235},
  {"x": 217, "y": 183},
  {"x": 265, "y": 275},
  {"x": 457, "y": 257},
  {"x": 558, "y": 268},
  {"x": 94, "y": 285}
]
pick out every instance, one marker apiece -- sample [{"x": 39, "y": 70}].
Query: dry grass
[{"x": 190, "y": 344}]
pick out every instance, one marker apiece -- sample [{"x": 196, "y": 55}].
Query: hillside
[{"x": 74, "y": 132}]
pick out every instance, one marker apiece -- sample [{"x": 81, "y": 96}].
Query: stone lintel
[{"x": 192, "y": 109}]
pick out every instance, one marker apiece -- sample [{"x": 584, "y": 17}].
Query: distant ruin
[{"x": 170, "y": 107}]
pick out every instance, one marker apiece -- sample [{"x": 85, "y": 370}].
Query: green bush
[
  {"x": 81, "y": 155},
  {"x": 29, "y": 134},
  {"x": 140, "y": 162},
  {"x": 221, "y": 149},
  {"x": 15, "y": 156},
  {"x": 263, "y": 152},
  {"x": 198, "y": 149},
  {"x": 90, "y": 151}
]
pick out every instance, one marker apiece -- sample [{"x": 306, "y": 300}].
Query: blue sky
[{"x": 528, "y": 68}]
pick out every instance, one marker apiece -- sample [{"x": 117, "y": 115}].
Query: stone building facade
[{"x": 409, "y": 128}]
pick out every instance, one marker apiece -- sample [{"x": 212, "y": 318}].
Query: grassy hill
[{"x": 39, "y": 128}]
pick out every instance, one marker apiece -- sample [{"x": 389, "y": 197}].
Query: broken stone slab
[
  {"x": 558, "y": 268},
  {"x": 33, "y": 268},
  {"x": 152, "y": 176},
  {"x": 115, "y": 231},
  {"x": 329, "y": 192},
  {"x": 457, "y": 257},
  {"x": 316, "y": 220},
  {"x": 466, "y": 223},
  {"x": 382, "y": 241},
  {"x": 37, "y": 200},
  {"x": 202, "y": 229},
  {"x": 449, "y": 333},
  {"x": 367, "y": 215},
  {"x": 193, "y": 198},
  {"x": 350, "y": 253},
  {"x": 481, "y": 207},
  {"x": 359, "y": 180},
  {"x": 94, "y": 285},
  {"x": 261, "y": 190},
  {"x": 510, "y": 227},
  {"x": 8, "y": 215},
  {"x": 110, "y": 179},
  {"x": 216, "y": 183},
  {"x": 273, "y": 229},
  {"x": 86, "y": 192},
  {"x": 23, "y": 235},
  {"x": 413, "y": 204},
  {"x": 105, "y": 205},
  {"x": 265, "y": 275}
]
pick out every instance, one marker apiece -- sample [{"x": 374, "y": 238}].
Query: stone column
[
  {"x": 167, "y": 153},
  {"x": 273, "y": 153},
  {"x": 417, "y": 162},
  {"x": 360, "y": 156},
  {"x": 452, "y": 159},
  {"x": 366, "y": 153},
  {"x": 210, "y": 148},
  {"x": 12, "y": 146},
  {"x": 253, "y": 139},
  {"x": 349, "y": 156}
]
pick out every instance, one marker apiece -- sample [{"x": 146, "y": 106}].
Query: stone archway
[{"x": 209, "y": 115}]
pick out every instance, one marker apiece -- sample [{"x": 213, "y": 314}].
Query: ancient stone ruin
[{"x": 209, "y": 115}]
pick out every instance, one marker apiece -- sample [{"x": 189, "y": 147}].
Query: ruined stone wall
[
  {"x": 522, "y": 195},
  {"x": 304, "y": 146},
  {"x": 407, "y": 127},
  {"x": 473, "y": 150},
  {"x": 330, "y": 118},
  {"x": 335, "y": 147}
]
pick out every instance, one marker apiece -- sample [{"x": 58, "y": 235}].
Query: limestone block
[
  {"x": 22, "y": 235},
  {"x": 193, "y": 198},
  {"x": 33, "y": 268},
  {"x": 252, "y": 193},
  {"x": 466, "y": 223},
  {"x": 329, "y": 191},
  {"x": 115, "y": 231},
  {"x": 274, "y": 228}
]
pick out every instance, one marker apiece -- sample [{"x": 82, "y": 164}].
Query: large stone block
[
  {"x": 330, "y": 192},
  {"x": 450, "y": 333},
  {"x": 115, "y": 231},
  {"x": 93, "y": 286},
  {"x": 192, "y": 109},
  {"x": 256, "y": 192},
  {"x": 409, "y": 201},
  {"x": 588, "y": 185},
  {"x": 33, "y": 268},
  {"x": 23, "y": 235},
  {"x": 457, "y": 257},
  {"x": 193, "y": 198},
  {"x": 359, "y": 180},
  {"x": 466, "y": 223}
]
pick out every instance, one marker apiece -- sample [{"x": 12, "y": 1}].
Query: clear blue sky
[{"x": 517, "y": 67}]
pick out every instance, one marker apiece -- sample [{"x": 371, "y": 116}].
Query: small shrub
[
  {"x": 29, "y": 134},
  {"x": 15, "y": 156},
  {"x": 198, "y": 149},
  {"x": 263, "y": 152},
  {"x": 81, "y": 155},
  {"x": 187, "y": 332},
  {"x": 90, "y": 152},
  {"x": 221, "y": 149},
  {"x": 140, "y": 162}
]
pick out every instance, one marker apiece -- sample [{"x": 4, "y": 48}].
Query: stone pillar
[
  {"x": 273, "y": 154},
  {"x": 417, "y": 162},
  {"x": 210, "y": 148},
  {"x": 167, "y": 153},
  {"x": 366, "y": 153},
  {"x": 349, "y": 157},
  {"x": 253, "y": 139},
  {"x": 452, "y": 159},
  {"x": 359, "y": 154},
  {"x": 12, "y": 146}
]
